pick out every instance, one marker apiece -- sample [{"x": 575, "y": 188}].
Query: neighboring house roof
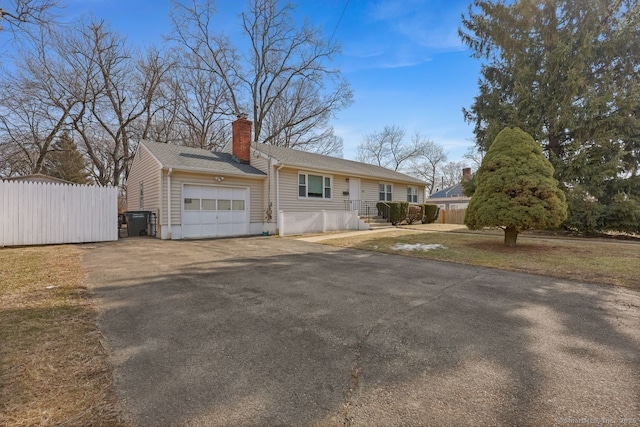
[
  {"x": 303, "y": 159},
  {"x": 197, "y": 159},
  {"x": 453, "y": 191},
  {"x": 39, "y": 177}
]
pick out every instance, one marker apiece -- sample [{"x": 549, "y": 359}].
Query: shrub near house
[{"x": 398, "y": 212}]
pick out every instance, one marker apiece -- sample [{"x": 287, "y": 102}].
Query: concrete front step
[
  {"x": 377, "y": 222},
  {"x": 373, "y": 218},
  {"x": 375, "y": 226}
]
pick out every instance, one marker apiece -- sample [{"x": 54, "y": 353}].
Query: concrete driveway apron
[{"x": 270, "y": 331}]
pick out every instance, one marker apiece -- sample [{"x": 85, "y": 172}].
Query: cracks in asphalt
[{"x": 356, "y": 369}]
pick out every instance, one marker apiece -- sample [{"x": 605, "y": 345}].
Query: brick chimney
[
  {"x": 241, "y": 130},
  {"x": 466, "y": 174}
]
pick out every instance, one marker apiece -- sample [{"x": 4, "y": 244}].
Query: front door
[{"x": 354, "y": 194}]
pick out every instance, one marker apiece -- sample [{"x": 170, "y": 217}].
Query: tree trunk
[
  {"x": 554, "y": 145},
  {"x": 510, "y": 236}
]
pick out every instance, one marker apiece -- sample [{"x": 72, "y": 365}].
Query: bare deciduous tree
[
  {"x": 387, "y": 148},
  {"x": 201, "y": 118},
  {"x": 314, "y": 134},
  {"x": 116, "y": 98},
  {"x": 325, "y": 142},
  {"x": 35, "y": 104},
  {"x": 474, "y": 155},
  {"x": 451, "y": 173},
  {"x": 286, "y": 65},
  {"x": 426, "y": 165},
  {"x": 17, "y": 13}
]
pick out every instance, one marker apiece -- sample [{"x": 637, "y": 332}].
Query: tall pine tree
[
  {"x": 567, "y": 73},
  {"x": 65, "y": 161}
]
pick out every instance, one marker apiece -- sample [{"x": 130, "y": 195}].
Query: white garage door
[{"x": 209, "y": 211}]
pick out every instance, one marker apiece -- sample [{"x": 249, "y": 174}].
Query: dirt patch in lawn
[
  {"x": 53, "y": 368},
  {"x": 609, "y": 262}
]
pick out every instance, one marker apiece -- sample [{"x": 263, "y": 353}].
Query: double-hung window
[
  {"x": 385, "y": 192},
  {"x": 412, "y": 194},
  {"x": 314, "y": 186}
]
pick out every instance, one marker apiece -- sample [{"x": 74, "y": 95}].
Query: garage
[{"x": 214, "y": 211}]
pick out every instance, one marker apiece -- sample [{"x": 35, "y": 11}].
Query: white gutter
[
  {"x": 169, "y": 202},
  {"x": 278, "y": 196},
  {"x": 406, "y": 180}
]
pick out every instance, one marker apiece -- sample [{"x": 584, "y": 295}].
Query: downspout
[
  {"x": 278, "y": 197},
  {"x": 169, "y": 203}
]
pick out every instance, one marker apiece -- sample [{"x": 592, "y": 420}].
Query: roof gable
[
  {"x": 453, "y": 191},
  {"x": 303, "y": 159}
]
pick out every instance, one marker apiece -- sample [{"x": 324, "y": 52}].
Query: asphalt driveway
[{"x": 270, "y": 331}]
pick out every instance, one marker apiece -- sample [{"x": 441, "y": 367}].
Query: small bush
[
  {"x": 416, "y": 213},
  {"x": 431, "y": 213},
  {"x": 398, "y": 212}
]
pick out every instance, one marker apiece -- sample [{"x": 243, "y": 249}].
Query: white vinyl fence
[
  {"x": 292, "y": 223},
  {"x": 36, "y": 213}
]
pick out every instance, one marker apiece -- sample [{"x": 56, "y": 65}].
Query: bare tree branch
[
  {"x": 426, "y": 164},
  {"x": 19, "y": 15},
  {"x": 35, "y": 103},
  {"x": 285, "y": 64},
  {"x": 387, "y": 148},
  {"x": 119, "y": 90}
]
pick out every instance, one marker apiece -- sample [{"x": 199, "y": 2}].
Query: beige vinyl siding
[
  {"x": 370, "y": 190},
  {"x": 255, "y": 186},
  {"x": 399, "y": 190},
  {"x": 268, "y": 187},
  {"x": 290, "y": 202},
  {"x": 145, "y": 170}
]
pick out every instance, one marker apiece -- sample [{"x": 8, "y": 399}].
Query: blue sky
[{"x": 403, "y": 58}]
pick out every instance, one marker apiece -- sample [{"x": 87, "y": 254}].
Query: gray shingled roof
[
  {"x": 187, "y": 158},
  {"x": 291, "y": 157}
]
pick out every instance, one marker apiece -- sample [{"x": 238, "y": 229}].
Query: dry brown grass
[
  {"x": 53, "y": 369},
  {"x": 590, "y": 260}
]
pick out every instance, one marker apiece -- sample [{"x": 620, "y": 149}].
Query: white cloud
[{"x": 423, "y": 23}]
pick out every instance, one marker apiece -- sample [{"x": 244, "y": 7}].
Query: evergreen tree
[
  {"x": 65, "y": 161},
  {"x": 515, "y": 189},
  {"x": 565, "y": 71}
]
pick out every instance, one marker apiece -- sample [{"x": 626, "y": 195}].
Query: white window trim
[
  {"x": 414, "y": 193},
  {"x": 385, "y": 192},
  {"x": 324, "y": 176}
]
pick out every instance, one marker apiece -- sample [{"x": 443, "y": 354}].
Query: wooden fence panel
[
  {"x": 36, "y": 213},
  {"x": 452, "y": 216}
]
